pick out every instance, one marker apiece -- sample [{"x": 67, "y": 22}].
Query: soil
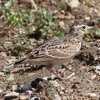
[{"x": 85, "y": 80}]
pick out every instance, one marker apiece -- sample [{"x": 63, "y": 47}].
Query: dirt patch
[{"x": 85, "y": 80}]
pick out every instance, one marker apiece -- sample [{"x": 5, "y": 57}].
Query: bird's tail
[{"x": 14, "y": 64}]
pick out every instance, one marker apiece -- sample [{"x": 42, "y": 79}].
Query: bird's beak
[{"x": 90, "y": 27}]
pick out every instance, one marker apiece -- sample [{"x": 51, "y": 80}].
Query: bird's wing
[
  {"x": 62, "y": 51},
  {"x": 51, "y": 52}
]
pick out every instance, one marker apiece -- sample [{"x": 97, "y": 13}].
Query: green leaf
[
  {"x": 98, "y": 33},
  {"x": 59, "y": 35},
  {"x": 64, "y": 27},
  {"x": 22, "y": 48}
]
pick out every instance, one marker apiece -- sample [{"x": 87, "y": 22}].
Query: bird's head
[{"x": 81, "y": 29}]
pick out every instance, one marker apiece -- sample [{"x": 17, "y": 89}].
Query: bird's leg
[
  {"x": 66, "y": 67},
  {"x": 57, "y": 70},
  {"x": 31, "y": 67},
  {"x": 49, "y": 68},
  {"x": 59, "y": 77}
]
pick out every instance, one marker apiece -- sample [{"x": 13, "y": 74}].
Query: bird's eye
[{"x": 84, "y": 27}]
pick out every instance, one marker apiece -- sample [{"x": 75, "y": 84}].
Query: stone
[
  {"x": 53, "y": 1},
  {"x": 93, "y": 76},
  {"x": 75, "y": 86},
  {"x": 61, "y": 93},
  {"x": 53, "y": 76},
  {"x": 3, "y": 54},
  {"x": 98, "y": 72},
  {"x": 11, "y": 95},
  {"x": 61, "y": 23},
  {"x": 14, "y": 87},
  {"x": 55, "y": 11},
  {"x": 24, "y": 97},
  {"x": 26, "y": 87},
  {"x": 57, "y": 97},
  {"x": 46, "y": 78},
  {"x": 92, "y": 95},
  {"x": 62, "y": 11},
  {"x": 61, "y": 16},
  {"x": 1, "y": 91},
  {"x": 35, "y": 98},
  {"x": 11, "y": 77},
  {"x": 29, "y": 92},
  {"x": 87, "y": 18},
  {"x": 1, "y": 74},
  {"x": 97, "y": 67},
  {"x": 69, "y": 16},
  {"x": 64, "y": 98},
  {"x": 31, "y": 74},
  {"x": 73, "y": 3},
  {"x": 55, "y": 83}
]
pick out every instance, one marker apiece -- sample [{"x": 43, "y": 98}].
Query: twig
[
  {"x": 71, "y": 75},
  {"x": 33, "y": 4},
  {"x": 3, "y": 46}
]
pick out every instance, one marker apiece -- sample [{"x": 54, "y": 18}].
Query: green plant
[
  {"x": 94, "y": 33},
  {"x": 22, "y": 21},
  {"x": 17, "y": 18},
  {"x": 0, "y": 24},
  {"x": 46, "y": 26},
  {"x": 26, "y": 24},
  {"x": 60, "y": 5}
]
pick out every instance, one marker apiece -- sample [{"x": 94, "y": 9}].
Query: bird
[{"x": 57, "y": 51}]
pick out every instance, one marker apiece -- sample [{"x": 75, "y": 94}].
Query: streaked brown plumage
[{"x": 57, "y": 51}]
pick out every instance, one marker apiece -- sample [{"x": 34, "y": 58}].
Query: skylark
[{"x": 57, "y": 51}]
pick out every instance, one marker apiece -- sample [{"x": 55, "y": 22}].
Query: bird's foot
[
  {"x": 59, "y": 77},
  {"x": 62, "y": 78},
  {"x": 31, "y": 67}
]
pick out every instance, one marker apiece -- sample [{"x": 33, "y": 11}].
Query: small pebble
[
  {"x": 53, "y": 2},
  {"x": 61, "y": 16},
  {"x": 62, "y": 11},
  {"x": 1, "y": 91},
  {"x": 55, "y": 83},
  {"x": 97, "y": 67},
  {"x": 57, "y": 97},
  {"x": 24, "y": 97},
  {"x": 53, "y": 76},
  {"x": 26, "y": 87},
  {"x": 11, "y": 95},
  {"x": 14, "y": 87},
  {"x": 74, "y": 3},
  {"x": 11, "y": 77},
  {"x": 3, "y": 54},
  {"x": 92, "y": 95},
  {"x": 1, "y": 74},
  {"x": 93, "y": 76},
  {"x": 31, "y": 74},
  {"x": 35, "y": 98},
  {"x": 64, "y": 98},
  {"x": 46, "y": 78},
  {"x": 98, "y": 72},
  {"x": 55, "y": 11},
  {"x": 87, "y": 18},
  {"x": 75, "y": 86},
  {"x": 61, "y": 23},
  {"x": 29, "y": 92},
  {"x": 61, "y": 93}
]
